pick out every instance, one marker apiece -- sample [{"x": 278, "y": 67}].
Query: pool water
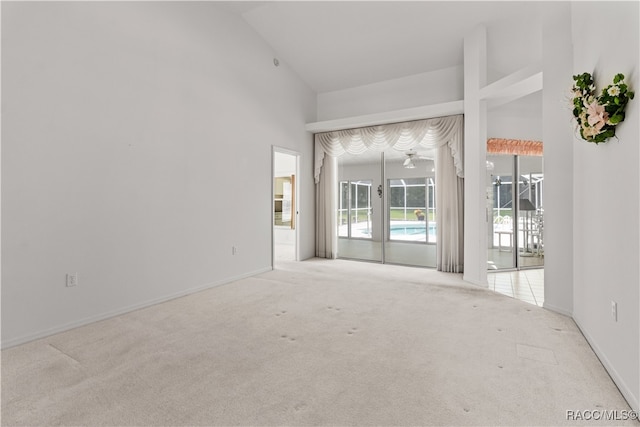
[{"x": 411, "y": 229}]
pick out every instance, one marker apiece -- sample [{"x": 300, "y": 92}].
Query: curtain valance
[
  {"x": 429, "y": 133},
  {"x": 444, "y": 134}
]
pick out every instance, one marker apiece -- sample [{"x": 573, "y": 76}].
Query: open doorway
[
  {"x": 285, "y": 205},
  {"x": 515, "y": 189}
]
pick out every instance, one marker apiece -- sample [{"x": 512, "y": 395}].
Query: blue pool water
[{"x": 411, "y": 229}]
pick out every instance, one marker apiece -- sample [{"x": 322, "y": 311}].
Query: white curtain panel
[
  {"x": 443, "y": 133},
  {"x": 326, "y": 214},
  {"x": 449, "y": 214}
]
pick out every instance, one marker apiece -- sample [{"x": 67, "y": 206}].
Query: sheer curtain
[
  {"x": 444, "y": 134},
  {"x": 449, "y": 214},
  {"x": 326, "y": 203}
]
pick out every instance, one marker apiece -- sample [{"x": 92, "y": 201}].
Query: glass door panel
[
  {"x": 501, "y": 209},
  {"x": 386, "y": 211},
  {"x": 407, "y": 209},
  {"x": 410, "y": 206},
  {"x": 530, "y": 212},
  {"x": 360, "y": 207}
]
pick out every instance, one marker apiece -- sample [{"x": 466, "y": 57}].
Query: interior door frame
[{"x": 296, "y": 195}]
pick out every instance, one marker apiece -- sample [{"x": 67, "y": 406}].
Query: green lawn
[
  {"x": 361, "y": 216},
  {"x": 398, "y": 215}
]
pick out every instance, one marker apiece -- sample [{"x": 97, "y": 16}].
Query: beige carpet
[{"x": 315, "y": 343}]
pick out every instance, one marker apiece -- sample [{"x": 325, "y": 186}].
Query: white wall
[
  {"x": 284, "y": 164},
  {"x": 520, "y": 119},
  {"x": 136, "y": 151},
  {"x": 607, "y": 200},
  {"x": 412, "y": 91}
]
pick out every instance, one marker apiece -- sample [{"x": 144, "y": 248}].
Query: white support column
[
  {"x": 558, "y": 140},
  {"x": 475, "y": 153}
]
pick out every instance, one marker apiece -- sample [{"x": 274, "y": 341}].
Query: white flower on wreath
[{"x": 613, "y": 91}]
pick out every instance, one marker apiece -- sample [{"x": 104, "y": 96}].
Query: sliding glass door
[
  {"x": 386, "y": 207},
  {"x": 411, "y": 210},
  {"x": 516, "y": 227},
  {"x": 530, "y": 212},
  {"x": 359, "y": 207},
  {"x": 502, "y": 227}
]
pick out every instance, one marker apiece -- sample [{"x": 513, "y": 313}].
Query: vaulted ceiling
[{"x": 334, "y": 45}]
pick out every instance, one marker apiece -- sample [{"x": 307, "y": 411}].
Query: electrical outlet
[
  {"x": 614, "y": 311},
  {"x": 234, "y": 250},
  {"x": 72, "y": 279}
]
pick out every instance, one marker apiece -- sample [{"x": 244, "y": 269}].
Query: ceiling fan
[{"x": 412, "y": 155}]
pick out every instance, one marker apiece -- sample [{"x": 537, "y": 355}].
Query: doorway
[
  {"x": 284, "y": 210},
  {"x": 515, "y": 188}
]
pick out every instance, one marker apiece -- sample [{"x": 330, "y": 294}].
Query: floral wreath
[{"x": 598, "y": 116}]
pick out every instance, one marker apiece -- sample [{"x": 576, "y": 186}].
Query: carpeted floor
[{"x": 315, "y": 343}]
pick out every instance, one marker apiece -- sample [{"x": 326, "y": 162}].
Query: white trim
[
  {"x": 558, "y": 310},
  {"x": 632, "y": 400},
  {"x": 109, "y": 314},
  {"x": 272, "y": 204},
  {"x": 397, "y": 116},
  {"x": 283, "y": 150},
  {"x": 523, "y": 82}
]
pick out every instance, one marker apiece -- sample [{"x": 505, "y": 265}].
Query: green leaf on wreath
[{"x": 616, "y": 119}]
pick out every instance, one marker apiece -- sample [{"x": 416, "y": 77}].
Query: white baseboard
[
  {"x": 82, "y": 322},
  {"x": 632, "y": 399},
  {"x": 556, "y": 309},
  {"x": 476, "y": 282}
]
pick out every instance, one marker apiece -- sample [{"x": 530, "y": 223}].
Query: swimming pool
[
  {"x": 413, "y": 231},
  {"x": 396, "y": 230}
]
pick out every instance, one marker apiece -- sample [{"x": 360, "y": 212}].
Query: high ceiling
[{"x": 334, "y": 45}]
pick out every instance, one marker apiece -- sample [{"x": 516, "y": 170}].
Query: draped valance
[{"x": 428, "y": 133}]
